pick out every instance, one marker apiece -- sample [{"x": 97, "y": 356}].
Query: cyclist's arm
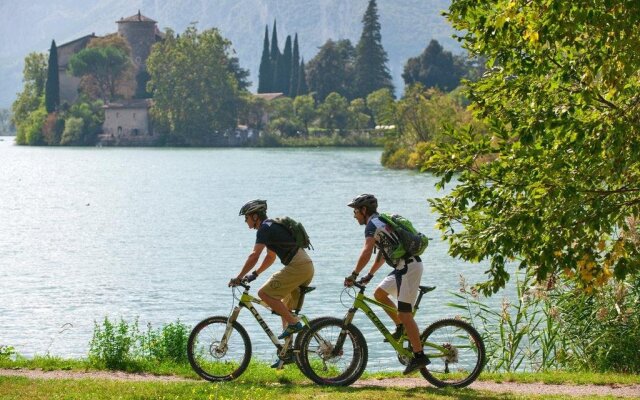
[
  {"x": 267, "y": 262},
  {"x": 377, "y": 264},
  {"x": 252, "y": 260},
  {"x": 365, "y": 254}
]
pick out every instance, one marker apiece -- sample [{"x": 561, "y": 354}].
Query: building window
[
  {"x": 117, "y": 115},
  {"x": 135, "y": 132},
  {"x": 134, "y": 115},
  {"x": 119, "y": 131}
]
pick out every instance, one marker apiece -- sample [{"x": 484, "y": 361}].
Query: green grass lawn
[{"x": 259, "y": 383}]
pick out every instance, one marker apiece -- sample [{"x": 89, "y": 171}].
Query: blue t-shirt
[
  {"x": 386, "y": 240},
  {"x": 277, "y": 239}
]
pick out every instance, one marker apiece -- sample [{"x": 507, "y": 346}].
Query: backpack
[
  {"x": 296, "y": 230},
  {"x": 410, "y": 241}
]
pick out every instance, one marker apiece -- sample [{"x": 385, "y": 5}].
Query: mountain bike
[
  {"x": 219, "y": 348},
  {"x": 334, "y": 351}
]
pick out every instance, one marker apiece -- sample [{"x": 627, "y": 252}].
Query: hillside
[{"x": 407, "y": 26}]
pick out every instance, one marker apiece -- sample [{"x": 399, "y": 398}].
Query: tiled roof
[
  {"x": 269, "y": 96},
  {"x": 132, "y": 103},
  {"x": 136, "y": 18},
  {"x": 86, "y": 37}
]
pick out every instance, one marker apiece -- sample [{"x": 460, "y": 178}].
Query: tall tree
[
  {"x": 52, "y": 89},
  {"x": 435, "y": 67},
  {"x": 331, "y": 70},
  {"x": 196, "y": 97},
  {"x": 34, "y": 78},
  {"x": 371, "y": 68},
  {"x": 275, "y": 56},
  {"x": 103, "y": 64},
  {"x": 284, "y": 68},
  {"x": 303, "y": 89},
  {"x": 295, "y": 69},
  {"x": 265, "y": 76},
  {"x": 561, "y": 194}
]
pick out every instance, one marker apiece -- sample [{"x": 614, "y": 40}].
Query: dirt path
[{"x": 627, "y": 391}]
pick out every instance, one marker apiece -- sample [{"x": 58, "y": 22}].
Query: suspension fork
[
  {"x": 229, "y": 328},
  {"x": 343, "y": 333}
]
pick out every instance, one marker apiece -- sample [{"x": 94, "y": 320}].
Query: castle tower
[{"x": 140, "y": 32}]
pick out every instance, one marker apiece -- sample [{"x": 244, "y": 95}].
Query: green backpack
[
  {"x": 411, "y": 242},
  {"x": 296, "y": 230}
]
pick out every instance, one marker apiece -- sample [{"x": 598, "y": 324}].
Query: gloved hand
[
  {"x": 351, "y": 279},
  {"x": 365, "y": 279},
  {"x": 234, "y": 282},
  {"x": 251, "y": 277}
]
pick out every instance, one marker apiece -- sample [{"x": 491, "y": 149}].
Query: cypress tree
[
  {"x": 265, "y": 76},
  {"x": 295, "y": 69},
  {"x": 275, "y": 58},
  {"x": 372, "y": 72},
  {"x": 284, "y": 71},
  {"x": 52, "y": 87},
  {"x": 302, "y": 80}
]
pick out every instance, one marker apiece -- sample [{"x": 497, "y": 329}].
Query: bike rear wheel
[
  {"x": 216, "y": 361},
  {"x": 323, "y": 363},
  {"x": 456, "y": 351}
]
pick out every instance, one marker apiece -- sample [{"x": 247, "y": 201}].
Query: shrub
[
  {"x": 113, "y": 345},
  {"x": 168, "y": 343},
  {"x": 6, "y": 352}
]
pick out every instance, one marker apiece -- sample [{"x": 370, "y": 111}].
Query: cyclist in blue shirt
[{"x": 402, "y": 283}]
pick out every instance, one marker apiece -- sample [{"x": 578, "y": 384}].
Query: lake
[{"x": 154, "y": 234}]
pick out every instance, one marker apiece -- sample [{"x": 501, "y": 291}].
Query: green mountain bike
[
  {"x": 334, "y": 351},
  {"x": 219, "y": 348}
]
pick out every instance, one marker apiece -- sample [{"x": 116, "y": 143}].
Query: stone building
[
  {"x": 127, "y": 122},
  {"x": 68, "y": 83},
  {"x": 139, "y": 32}
]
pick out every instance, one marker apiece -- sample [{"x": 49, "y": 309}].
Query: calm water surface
[{"x": 155, "y": 234}]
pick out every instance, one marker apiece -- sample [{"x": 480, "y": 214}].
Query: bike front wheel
[
  {"x": 216, "y": 356},
  {"x": 456, "y": 351},
  {"x": 328, "y": 357}
]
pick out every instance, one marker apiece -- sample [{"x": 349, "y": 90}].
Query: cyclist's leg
[
  {"x": 409, "y": 286},
  {"x": 386, "y": 288},
  {"x": 283, "y": 285}
]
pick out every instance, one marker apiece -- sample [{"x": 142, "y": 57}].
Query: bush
[
  {"x": 167, "y": 344},
  {"x": 122, "y": 347},
  {"x": 113, "y": 345},
  {"x": 6, "y": 352}
]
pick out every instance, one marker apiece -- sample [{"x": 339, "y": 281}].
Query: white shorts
[{"x": 404, "y": 284}]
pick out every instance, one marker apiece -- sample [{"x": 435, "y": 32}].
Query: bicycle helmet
[
  {"x": 253, "y": 206},
  {"x": 364, "y": 200}
]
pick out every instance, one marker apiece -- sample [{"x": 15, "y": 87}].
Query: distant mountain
[{"x": 407, "y": 27}]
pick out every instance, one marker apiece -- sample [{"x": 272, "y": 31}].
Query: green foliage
[
  {"x": 557, "y": 325},
  {"x": 31, "y": 97},
  {"x": 382, "y": 106},
  {"x": 73, "y": 129},
  {"x": 265, "y": 75},
  {"x": 6, "y": 352},
  {"x": 521, "y": 336},
  {"x": 332, "y": 70},
  {"x": 304, "y": 110},
  {"x": 30, "y": 130},
  {"x": 371, "y": 71},
  {"x": 358, "y": 118},
  {"x": 168, "y": 343},
  {"x": 561, "y": 101},
  {"x": 103, "y": 64},
  {"x": 334, "y": 113},
  {"x": 52, "y": 90},
  {"x": 196, "y": 96},
  {"x": 112, "y": 344},
  {"x": 601, "y": 330},
  {"x": 435, "y": 67},
  {"x": 121, "y": 346}
]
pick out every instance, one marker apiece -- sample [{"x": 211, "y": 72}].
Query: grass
[{"x": 259, "y": 382}]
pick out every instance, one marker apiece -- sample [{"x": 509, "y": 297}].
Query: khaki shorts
[{"x": 284, "y": 284}]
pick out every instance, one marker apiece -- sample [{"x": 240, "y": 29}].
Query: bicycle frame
[
  {"x": 246, "y": 301},
  {"x": 360, "y": 303}
]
